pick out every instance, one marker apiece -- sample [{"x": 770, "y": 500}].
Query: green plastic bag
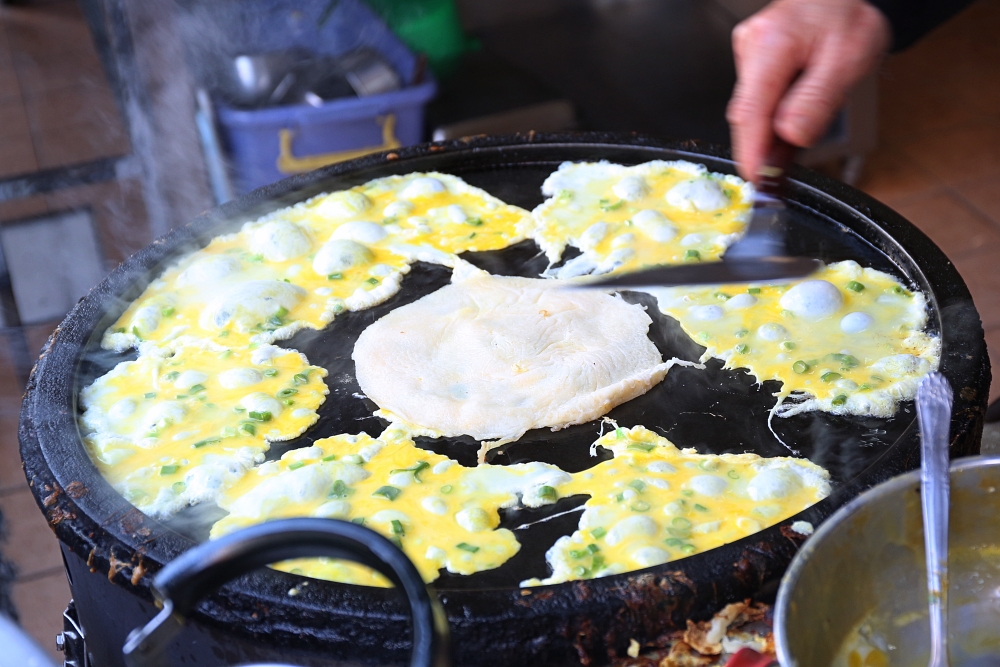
[{"x": 430, "y": 27}]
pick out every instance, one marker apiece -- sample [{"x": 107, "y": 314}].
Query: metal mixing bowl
[{"x": 865, "y": 569}]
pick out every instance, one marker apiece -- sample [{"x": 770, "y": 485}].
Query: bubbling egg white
[{"x": 443, "y": 515}]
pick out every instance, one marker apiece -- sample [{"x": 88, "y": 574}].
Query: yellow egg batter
[
  {"x": 851, "y": 339},
  {"x": 301, "y": 266},
  {"x": 441, "y": 514},
  {"x": 626, "y": 218},
  {"x": 653, "y": 503},
  {"x": 166, "y": 430},
  {"x": 650, "y": 504}
]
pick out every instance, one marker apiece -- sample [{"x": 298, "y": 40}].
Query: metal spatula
[{"x": 757, "y": 257}]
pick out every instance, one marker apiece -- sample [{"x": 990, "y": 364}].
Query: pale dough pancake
[{"x": 493, "y": 357}]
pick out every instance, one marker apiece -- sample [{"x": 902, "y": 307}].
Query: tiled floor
[{"x": 939, "y": 165}]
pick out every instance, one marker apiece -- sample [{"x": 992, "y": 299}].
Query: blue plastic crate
[{"x": 266, "y": 145}]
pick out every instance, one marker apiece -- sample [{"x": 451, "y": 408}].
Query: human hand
[{"x": 795, "y": 62}]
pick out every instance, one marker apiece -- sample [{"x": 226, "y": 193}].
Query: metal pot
[
  {"x": 112, "y": 550},
  {"x": 865, "y": 569}
]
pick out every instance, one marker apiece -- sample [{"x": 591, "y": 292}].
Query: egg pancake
[
  {"x": 172, "y": 429},
  {"x": 298, "y": 267},
  {"x": 625, "y": 218},
  {"x": 654, "y": 503},
  {"x": 493, "y": 357},
  {"x": 441, "y": 514},
  {"x": 848, "y": 340}
]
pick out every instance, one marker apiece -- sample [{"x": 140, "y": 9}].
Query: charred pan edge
[{"x": 581, "y": 621}]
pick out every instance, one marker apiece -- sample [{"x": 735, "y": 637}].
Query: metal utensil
[
  {"x": 757, "y": 257},
  {"x": 251, "y": 79},
  {"x": 934, "y": 399},
  {"x": 369, "y": 73}
]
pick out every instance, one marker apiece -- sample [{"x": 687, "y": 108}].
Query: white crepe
[{"x": 492, "y": 357}]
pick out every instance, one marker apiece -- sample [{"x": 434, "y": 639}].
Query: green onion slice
[
  {"x": 416, "y": 470},
  {"x": 388, "y": 492}
]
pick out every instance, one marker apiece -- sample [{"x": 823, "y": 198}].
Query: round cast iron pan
[{"x": 714, "y": 410}]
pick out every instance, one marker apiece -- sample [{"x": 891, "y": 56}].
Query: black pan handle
[{"x": 201, "y": 570}]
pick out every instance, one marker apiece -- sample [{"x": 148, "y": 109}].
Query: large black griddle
[{"x": 713, "y": 410}]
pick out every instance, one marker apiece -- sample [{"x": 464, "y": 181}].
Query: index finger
[{"x": 767, "y": 61}]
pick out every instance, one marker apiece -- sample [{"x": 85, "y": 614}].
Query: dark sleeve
[{"x": 912, "y": 19}]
